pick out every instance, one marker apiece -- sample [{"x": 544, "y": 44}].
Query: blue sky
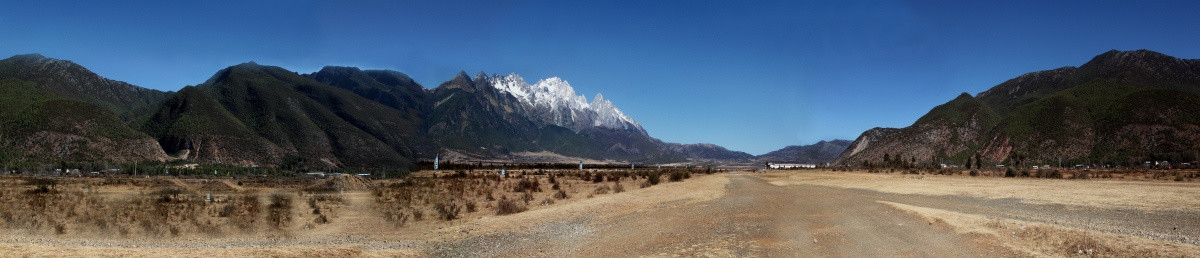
[{"x": 753, "y": 76}]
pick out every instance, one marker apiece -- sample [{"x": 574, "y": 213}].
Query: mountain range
[
  {"x": 821, "y": 152},
  {"x": 259, "y": 115},
  {"x": 1119, "y": 108}
]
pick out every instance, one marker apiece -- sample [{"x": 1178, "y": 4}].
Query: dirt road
[{"x": 753, "y": 218}]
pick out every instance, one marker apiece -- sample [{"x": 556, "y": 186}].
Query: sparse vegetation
[{"x": 168, "y": 207}]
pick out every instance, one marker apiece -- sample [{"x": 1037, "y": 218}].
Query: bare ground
[{"x": 752, "y": 218}]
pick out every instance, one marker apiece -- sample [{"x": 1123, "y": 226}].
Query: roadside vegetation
[
  {"x": 451, "y": 195},
  {"x": 1021, "y": 165}
]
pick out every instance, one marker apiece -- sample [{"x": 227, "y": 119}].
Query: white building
[{"x": 790, "y": 166}]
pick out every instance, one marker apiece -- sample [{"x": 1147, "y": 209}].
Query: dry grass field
[
  {"x": 554, "y": 213},
  {"x": 338, "y": 216},
  {"x": 1158, "y": 218},
  {"x": 1106, "y": 192}
]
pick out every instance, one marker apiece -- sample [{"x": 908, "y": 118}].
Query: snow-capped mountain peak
[
  {"x": 554, "y": 101},
  {"x": 513, "y": 84}
]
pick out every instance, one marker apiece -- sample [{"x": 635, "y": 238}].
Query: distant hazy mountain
[
  {"x": 1122, "y": 107},
  {"x": 708, "y": 151},
  {"x": 818, "y": 153}
]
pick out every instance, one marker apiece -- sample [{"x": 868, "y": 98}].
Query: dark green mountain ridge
[{"x": 1119, "y": 108}]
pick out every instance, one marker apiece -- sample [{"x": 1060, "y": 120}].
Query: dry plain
[{"x": 777, "y": 213}]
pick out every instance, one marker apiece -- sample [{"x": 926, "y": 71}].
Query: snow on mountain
[{"x": 554, "y": 101}]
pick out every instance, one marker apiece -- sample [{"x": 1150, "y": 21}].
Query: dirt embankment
[{"x": 341, "y": 183}]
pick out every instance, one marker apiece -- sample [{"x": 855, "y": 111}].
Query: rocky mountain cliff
[{"x": 1120, "y": 108}]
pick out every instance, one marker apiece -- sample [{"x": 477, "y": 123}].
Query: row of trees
[
  {"x": 899, "y": 161},
  {"x": 445, "y": 165},
  {"x": 1021, "y": 160}
]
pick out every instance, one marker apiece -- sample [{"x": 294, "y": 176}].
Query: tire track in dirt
[{"x": 755, "y": 218}]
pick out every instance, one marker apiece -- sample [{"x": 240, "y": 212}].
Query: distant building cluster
[{"x": 790, "y": 166}]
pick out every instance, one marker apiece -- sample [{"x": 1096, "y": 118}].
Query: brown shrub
[
  {"x": 279, "y": 212},
  {"x": 527, "y": 197},
  {"x": 530, "y": 184},
  {"x": 614, "y": 178},
  {"x": 470, "y": 206},
  {"x": 677, "y": 176},
  {"x": 418, "y": 215},
  {"x": 505, "y": 206},
  {"x": 603, "y": 189},
  {"x": 447, "y": 210},
  {"x": 397, "y": 218}
]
